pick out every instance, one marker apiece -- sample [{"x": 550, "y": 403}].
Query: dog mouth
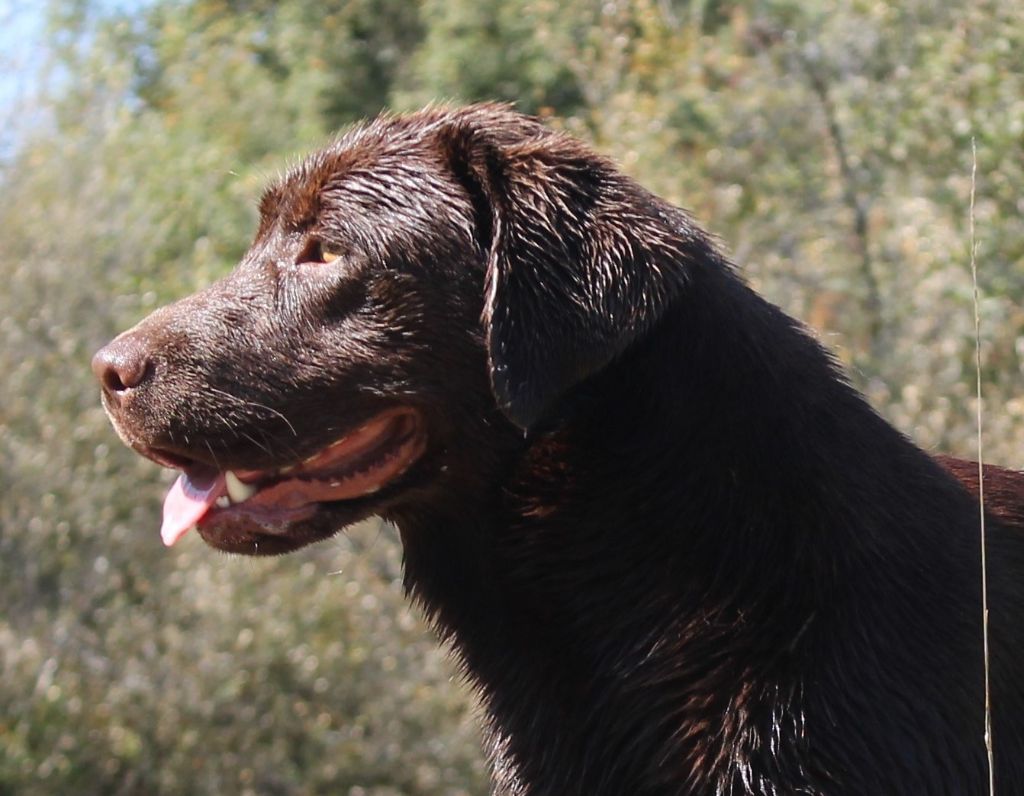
[{"x": 358, "y": 465}]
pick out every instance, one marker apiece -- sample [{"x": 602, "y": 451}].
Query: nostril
[
  {"x": 120, "y": 366},
  {"x": 111, "y": 380}
]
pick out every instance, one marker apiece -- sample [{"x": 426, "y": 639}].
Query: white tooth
[
  {"x": 238, "y": 491},
  {"x": 223, "y": 502}
]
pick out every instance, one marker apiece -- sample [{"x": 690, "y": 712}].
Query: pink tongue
[{"x": 187, "y": 503}]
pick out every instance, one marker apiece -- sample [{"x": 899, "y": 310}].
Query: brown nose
[{"x": 121, "y": 366}]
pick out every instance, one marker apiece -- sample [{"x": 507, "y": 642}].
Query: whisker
[
  {"x": 258, "y": 405},
  {"x": 227, "y": 424},
  {"x": 256, "y": 442},
  {"x": 213, "y": 455}
]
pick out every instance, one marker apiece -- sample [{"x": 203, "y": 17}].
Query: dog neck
[{"x": 688, "y": 541}]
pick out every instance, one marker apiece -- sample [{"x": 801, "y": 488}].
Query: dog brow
[
  {"x": 297, "y": 198},
  {"x": 295, "y": 201}
]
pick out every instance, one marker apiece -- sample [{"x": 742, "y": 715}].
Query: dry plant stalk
[{"x": 981, "y": 477}]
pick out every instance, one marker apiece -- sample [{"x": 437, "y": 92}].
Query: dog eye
[
  {"x": 328, "y": 255},
  {"x": 319, "y": 253}
]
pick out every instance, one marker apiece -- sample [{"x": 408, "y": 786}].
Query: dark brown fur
[{"x": 675, "y": 550}]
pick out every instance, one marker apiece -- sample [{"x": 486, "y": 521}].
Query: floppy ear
[{"x": 581, "y": 261}]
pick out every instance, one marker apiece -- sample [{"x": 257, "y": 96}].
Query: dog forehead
[
  {"x": 356, "y": 165},
  {"x": 295, "y": 198},
  {"x": 379, "y": 155}
]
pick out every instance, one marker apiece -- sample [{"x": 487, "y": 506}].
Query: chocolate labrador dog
[{"x": 675, "y": 549}]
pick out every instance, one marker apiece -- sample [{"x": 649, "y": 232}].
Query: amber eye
[
  {"x": 327, "y": 255},
  {"x": 317, "y": 252}
]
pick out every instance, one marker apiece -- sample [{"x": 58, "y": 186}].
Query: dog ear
[{"x": 581, "y": 261}]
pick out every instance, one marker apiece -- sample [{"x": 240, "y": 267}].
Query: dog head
[{"x": 417, "y": 294}]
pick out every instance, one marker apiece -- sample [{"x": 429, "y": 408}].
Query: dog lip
[
  {"x": 173, "y": 457},
  {"x": 359, "y": 464},
  {"x": 377, "y": 431},
  {"x": 167, "y": 458},
  {"x": 352, "y": 470}
]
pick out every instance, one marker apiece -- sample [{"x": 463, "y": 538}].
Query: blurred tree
[{"x": 511, "y": 51}]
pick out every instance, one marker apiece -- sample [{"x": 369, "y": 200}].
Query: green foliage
[
  {"x": 493, "y": 51},
  {"x": 829, "y": 144}
]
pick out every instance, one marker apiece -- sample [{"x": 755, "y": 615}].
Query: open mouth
[{"x": 359, "y": 464}]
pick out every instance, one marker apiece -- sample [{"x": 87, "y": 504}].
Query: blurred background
[{"x": 828, "y": 144}]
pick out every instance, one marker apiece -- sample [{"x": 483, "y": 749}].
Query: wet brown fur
[{"x": 673, "y": 548}]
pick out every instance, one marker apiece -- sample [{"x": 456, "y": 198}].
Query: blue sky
[
  {"x": 23, "y": 53},
  {"x": 21, "y": 50}
]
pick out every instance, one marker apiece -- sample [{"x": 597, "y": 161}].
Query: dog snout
[{"x": 122, "y": 365}]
